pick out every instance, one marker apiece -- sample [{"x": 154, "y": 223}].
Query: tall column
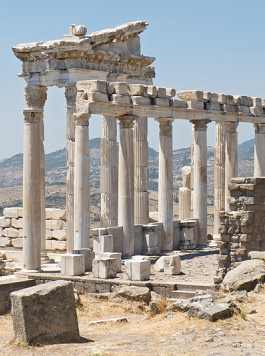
[
  {"x": 259, "y": 151},
  {"x": 231, "y": 153},
  {"x": 32, "y": 177},
  {"x": 109, "y": 172},
  {"x": 70, "y": 95},
  {"x": 200, "y": 176},
  {"x": 219, "y": 179},
  {"x": 165, "y": 183},
  {"x": 126, "y": 185},
  {"x": 141, "y": 204},
  {"x": 81, "y": 183}
]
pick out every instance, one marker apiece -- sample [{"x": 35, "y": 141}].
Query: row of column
[{"x": 132, "y": 179}]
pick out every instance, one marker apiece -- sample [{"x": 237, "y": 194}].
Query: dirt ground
[{"x": 169, "y": 333}]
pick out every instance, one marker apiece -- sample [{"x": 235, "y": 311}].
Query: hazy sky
[{"x": 214, "y": 45}]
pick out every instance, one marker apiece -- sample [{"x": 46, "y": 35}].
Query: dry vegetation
[{"x": 164, "y": 334}]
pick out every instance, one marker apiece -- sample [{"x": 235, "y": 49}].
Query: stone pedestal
[
  {"x": 259, "y": 151},
  {"x": 109, "y": 172},
  {"x": 70, "y": 95},
  {"x": 138, "y": 270},
  {"x": 165, "y": 184},
  {"x": 231, "y": 156},
  {"x": 81, "y": 183},
  {"x": 200, "y": 177},
  {"x": 219, "y": 180},
  {"x": 72, "y": 264},
  {"x": 89, "y": 256},
  {"x": 32, "y": 177},
  {"x": 104, "y": 267},
  {"x": 126, "y": 184},
  {"x": 141, "y": 203}
]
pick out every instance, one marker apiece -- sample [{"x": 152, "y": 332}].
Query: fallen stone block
[
  {"x": 72, "y": 264},
  {"x": 204, "y": 309},
  {"x": 245, "y": 276},
  {"x": 103, "y": 267},
  {"x": 138, "y": 270},
  {"x": 257, "y": 255},
  {"x": 136, "y": 294},
  {"x": 168, "y": 264},
  {"x": 117, "y": 257},
  {"x": 45, "y": 313}
]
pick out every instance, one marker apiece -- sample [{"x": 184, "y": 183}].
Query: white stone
[
  {"x": 13, "y": 212},
  {"x": 5, "y": 222},
  {"x": 116, "y": 256},
  {"x": 55, "y": 245},
  {"x": 140, "y": 100},
  {"x": 17, "y": 223},
  {"x": 10, "y": 232},
  {"x": 168, "y": 264},
  {"x": 104, "y": 267},
  {"x": 89, "y": 257},
  {"x": 121, "y": 99},
  {"x": 53, "y": 213},
  {"x": 195, "y": 105},
  {"x": 138, "y": 89},
  {"x": 94, "y": 85},
  {"x": 53, "y": 224},
  {"x": 103, "y": 243},
  {"x": 4, "y": 241},
  {"x": 72, "y": 265},
  {"x": 191, "y": 95},
  {"x": 138, "y": 270},
  {"x": 18, "y": 242},
  {"x": 59, "y": 235},
  {"x": 119, "y": 88}
]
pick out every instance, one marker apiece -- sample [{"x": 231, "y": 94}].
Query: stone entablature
[
  {"x": 242, "y": 228},
  {"x": 75, "y": 57},
  {"x": 118, "y": 99}
]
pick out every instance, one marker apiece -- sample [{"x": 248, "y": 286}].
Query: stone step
[
  {"x": 195, "y": 287},
  {"x": 181, "y": 294}
]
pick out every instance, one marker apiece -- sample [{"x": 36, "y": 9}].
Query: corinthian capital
[
  {"x": 127, "y": 121},
  {"x": 35, "y": 96},
  {"x": 165, "y": 126}
]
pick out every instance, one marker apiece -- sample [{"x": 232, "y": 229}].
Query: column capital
[
  {"x": 231, "y": 126},
  {"x": 200, "y": 124},
  {"x": 127, "y": 121},
  {"x": 70, "y": 95},
  {"x": 259, "y": 128},
  {"x": 81, "y": 119},
  {"x": 165, "y": 126},
  {"x": 35, "y": 96}
]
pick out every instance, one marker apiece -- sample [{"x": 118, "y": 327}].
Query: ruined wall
[{"x": 243, "y": 227}]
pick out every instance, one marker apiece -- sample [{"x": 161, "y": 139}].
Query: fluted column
[
  {"x": 109, "y": 172},
  {"x": 200, "y": 176},
  {"x": 231, "y": 156},
  {"x": 141, "y": 204},
  {"x": 259, "y": 151},
  {"x": 126, "y": 184},
  {"x": 165, "y": 183},
  {"x": 70, "y": 95},
  {"x": 81, "y": 183},
  {"x": 32, "y": 177},
  {"x": 219, "y": 178}
]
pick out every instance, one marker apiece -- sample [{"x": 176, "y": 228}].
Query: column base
[
  {"x": 73, "y": 264},
  {"x": 89, "y": 256}
]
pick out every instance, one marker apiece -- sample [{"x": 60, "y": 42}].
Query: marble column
[
  {"x": 81, "y": 183},
  {"x": 165, "y": 183},
  {"x": 141, "y": 203},
  {"x": 126, "y": 184},
  {"x": 32, "y": 177},
  {"x": 109, "y": 172},
  {"x": 185, "y": 194},
  {"x": 219, "y": 179},
  {"x": 231, "y": 153},
  {"x": 259, "y": 151},
  {"x": 200, "y": 177},
  {"x": 70, "y": 95}
]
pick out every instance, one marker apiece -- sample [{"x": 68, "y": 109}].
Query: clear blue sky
[{"x": 204, "y": 44}]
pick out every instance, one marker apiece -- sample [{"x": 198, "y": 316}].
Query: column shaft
[
  {"x": 141, "y": 204},
  {"x": 70, "y": 95},
  {"x": 81, "y": 183},
  {"x": 219, "y": 178},
  {"x": 259, "y": 151},
  {"x": 200, "y": 177},
  {"x": 165, "y": 184},
  {"x": 231, "y": 155},
  {"x": 126, "y": 184},
  {"x": 109, "y": 173}
]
